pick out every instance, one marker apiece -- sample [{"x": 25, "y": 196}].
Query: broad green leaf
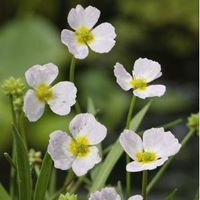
[
  {"x": 26, "y": 42},
  {"x": 3, "y": 193},
  {"x": 115, "y": 153},
  {"x": 43, "y": 179},
  {"x": 23, "y": 168},
  {"x": 171, "y": 195}
]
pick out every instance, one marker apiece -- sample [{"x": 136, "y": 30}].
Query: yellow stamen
[
  {"x": 79, "y": 146},
  {"x": 44, "y": 92},
  {"x": 145, "y": 157},
  {"x": 139, "y": 84},
  {"x": 84, "y": 35}
]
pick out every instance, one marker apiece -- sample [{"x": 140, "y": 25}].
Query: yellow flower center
[
  {"x": 139, "y": 84},
  {"x": 84, "y": 35},
  {"x": 44, "y": 92},
  {"x": 79, "y": 146},
  {"x": 145, "y": 157}
]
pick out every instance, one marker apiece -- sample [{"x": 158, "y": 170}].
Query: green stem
[
  {"x": 130, "y": 112},
  {"x": 128, "y": 174},
  {"x": 144, "y": 184},
  {"x": 14, "y": 118},
  {"x": 13, "y": 174},
  {"x": 72, "y": 69},
  {"x": 77, "y": 185},
  {"x": 172, "y": 123},
  {"x": 162, "y": 170},
  {"x": 72, "y": 79}
]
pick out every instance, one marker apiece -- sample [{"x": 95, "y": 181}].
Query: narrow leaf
[
  {"x": 23, "y": 168},
  {"x": 43, "y": 179},
  {"x": 115, "y": 153},
  {"x": 90, "y": 107},
  {"x": 171, "y": 195},
  {"x": 135, "y": 122},
  {"x": 3, "y": 193}
]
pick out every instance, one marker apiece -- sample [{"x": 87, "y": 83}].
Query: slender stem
[
  {"x": 162, "y": 170},
  {"x": 72, "y": 79},
  {"x": 128, "y": 174},
  {"x": 13, "y": 174},
  {"x": 144, "y": 184},
  {"x": 172, "y": 123},
  {"x": 14, "y": 118},
  {"x": 72, "y": 69},
  {"x": 9, "y": 159},
  {"x": 130, "y": 112},
  {"x": 77, "y": 185}
]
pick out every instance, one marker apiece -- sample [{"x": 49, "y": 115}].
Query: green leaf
[
  {"x": 29, "y": 41},
  {"x": 171, "y": 195},
  {"x": 115, "y": 153},
  {"x": 90, "y": 107},
  {"x": 135, "y": 122},
  {"x": 3, "y": 193},
  {"x": 43, "y": 179},
  {"x": 23, "y": 168}
]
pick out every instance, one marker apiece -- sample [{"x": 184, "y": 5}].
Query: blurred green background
[{"x": 165, "y": 31}]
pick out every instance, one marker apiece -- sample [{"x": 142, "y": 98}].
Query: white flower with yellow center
[
  {"x": 144, "y": 71},
  {"x": 109, "y": 193},
  {"x": 100, "y": 39},
  {"x": 155, "y": 148},
  {"x": 77, "y": 150},
  {"x": 60, "y": 97}
]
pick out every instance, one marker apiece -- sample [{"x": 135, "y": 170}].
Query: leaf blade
[
  {"x": 3, "y": 193},
  {"x": 116, "y": 152},
  {"x": 43, "y": 179},
  {"x": 23, "y": 168}
]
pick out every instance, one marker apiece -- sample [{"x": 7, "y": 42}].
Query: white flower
[
  {"x": 109, "y": 193},
  {"x": 60, "y": 97},
  {"x": 100, "y": 39},
  {"x": 136, "y": 197},
  {"x": 77, "y": 150},
  {"x": 144, "y": 71},
  {"x": 153, "y": 151}
]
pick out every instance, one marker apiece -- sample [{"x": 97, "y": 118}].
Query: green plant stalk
[
  {"x": 68, "y": 180},
  {"x": 72, "y": 79},
  {"x": 128, "y": 174},
  {"x": 165, "y": 166},
  {"x": 10, "y": 161},
  {"x": 13, "y": 174},
  {"x": 144, "y": 184}
]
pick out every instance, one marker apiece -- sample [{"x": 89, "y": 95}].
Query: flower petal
[
  {"x": 82, "y": 165},
  {"x": 147, "y": 69},
  {"x": 123, "y": 77},
  {"x": 136, "y": 166},
  {"x": 80, "y": 51},
  {"x": 41, "y": 74},
  {"x": 131, "y": 142},
  {"x": 32, "y": 107},
  {"x": 136, "y": 197},
  {"x": 104, "y": 36},
  {"x": 64, "y": 96},
  {"x": 86, "y": 124},
  {"x": 164, "y": 144},
  {"x": 57, "y": 149},
  {"x": 150, "y": 91},
  {"x": 107, "y": 193},
  {"x": 79, "y": 16}
]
